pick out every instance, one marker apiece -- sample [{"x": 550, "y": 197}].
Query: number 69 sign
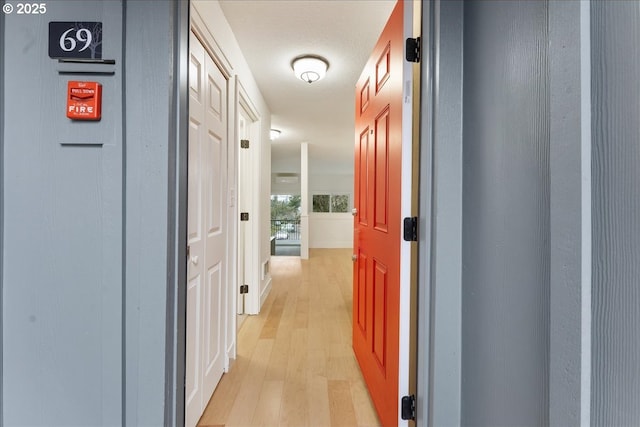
[{"x": 77, "y": 40}]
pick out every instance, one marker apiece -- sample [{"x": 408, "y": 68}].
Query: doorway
[
  {"x": 285, "y": 225},
  {"x": 248, "y": 138},
  {"x": 241, "y": 126}
]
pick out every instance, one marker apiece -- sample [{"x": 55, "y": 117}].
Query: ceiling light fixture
[
  {"x": 274, "y": 134},
  {"x": 310, "y": 68}
]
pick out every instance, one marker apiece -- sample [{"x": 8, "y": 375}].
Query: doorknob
[
  {"x": 354, "y": 211},
  {"x": 354, "y": 257}
]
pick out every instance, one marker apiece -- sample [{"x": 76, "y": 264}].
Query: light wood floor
[{"x": 295, "y": 364}]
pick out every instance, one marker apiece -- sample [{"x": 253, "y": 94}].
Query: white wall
[
  {"x": 320, "y": 182},
  {"x": 326, "y": 230},
  {"x": 284, "y": 187},
  {"x": 330, "y": 230}
]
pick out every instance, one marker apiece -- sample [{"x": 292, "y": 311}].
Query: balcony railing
[{"x": 285, "y": 229}]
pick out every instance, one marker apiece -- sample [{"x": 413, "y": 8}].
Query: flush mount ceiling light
[
  {"x": 274, "y": 134},
  {"x": 310, "y": 68}
]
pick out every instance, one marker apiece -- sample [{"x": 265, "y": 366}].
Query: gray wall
[
  {"x": 2, "y": 155},
  {"x": 616, "y": 213},
  {"x": 551, "y": 230},
  {"x": 62, "y": 278},
  {"x": 88, "y": 283},
  {"x": 505, "y": 276}
]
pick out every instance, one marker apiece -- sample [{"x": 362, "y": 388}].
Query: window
[
  {"x": 340, "y": 203},
  {"x": 335, "y": 203}
]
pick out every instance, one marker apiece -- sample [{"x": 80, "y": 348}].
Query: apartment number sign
[{"x": 75, "y": 40}]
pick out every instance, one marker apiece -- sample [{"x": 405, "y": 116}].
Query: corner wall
[
  {"x": 89, "y": 301},
  {"x": 331, "y": 230}
]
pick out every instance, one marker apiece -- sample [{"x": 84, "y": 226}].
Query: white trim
[
  {"x": 201, "y": 30},
  {"x": 265, "y": 292},
  {"x": 425, "y": 221},
  {"x": 406, "y": 180},
  {"x": 245, "y": 101},
  {"x": 445, "y": 345},
  {"x": 230, "y": 354},
  {"x": 304, "y": 200}
]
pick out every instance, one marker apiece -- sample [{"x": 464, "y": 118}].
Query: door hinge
[
  {"x": 244, "y": 289},
  {"x": 408, "y": 407},
  {"x": 244, "y": 216},
  {"x": 244, "y": 143},
  {"x": 413, "y": 49},
  {"x": 411, "y": 229}
]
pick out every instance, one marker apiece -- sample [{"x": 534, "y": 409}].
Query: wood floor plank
[
  {"x": 294, "y": 408},
  {"x": 224, "y": 396},
  {"x": 270, "y": 327},
  {"x": 340, "y": 404},
  {"x": 279, "y": 358},
  {"x": 267, "y": 411},
  {"x": 295, "y": 364},
  {"x": 363, "y": 405},
  {"x": 318, "y": 401},
  {"x": 244, "y": 406}
]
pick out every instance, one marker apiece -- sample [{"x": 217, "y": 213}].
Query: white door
[{"x": 206, "y": 230}]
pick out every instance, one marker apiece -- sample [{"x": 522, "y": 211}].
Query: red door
[{"x": 376, "y": 277}]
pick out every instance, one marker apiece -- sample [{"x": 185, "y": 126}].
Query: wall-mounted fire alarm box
[{"x": 84, "y": 100}]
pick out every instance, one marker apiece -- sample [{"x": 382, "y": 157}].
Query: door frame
[
  {"x": 178, "y": 127},
  {"x": 438, "y": 394},
  {"x": 244, "y": 102},
  {"x": 409, "y": 201}
]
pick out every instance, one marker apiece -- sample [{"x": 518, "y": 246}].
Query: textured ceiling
[{"x": 271, "y": 33}]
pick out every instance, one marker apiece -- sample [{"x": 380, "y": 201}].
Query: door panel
[
  {"x": 381, "y": 171},
  {"x": 215, "y": 165},
  {"x": 362, "y": 174},
  {"x": 360, "y": 309},
  {"x": 380, "y": 314},
  {"x": 213, "y": 343},
  {"x": 207, "y": 232},
  {"x": 377, "y": 223},
  {"x": 193, "y": 386}
]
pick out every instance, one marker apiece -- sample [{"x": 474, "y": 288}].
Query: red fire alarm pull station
[{"x": 84, "y": 100}]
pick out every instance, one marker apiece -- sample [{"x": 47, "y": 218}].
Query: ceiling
[{"x": 273, "y": 32}]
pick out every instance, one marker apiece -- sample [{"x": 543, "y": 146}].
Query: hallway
[{"x": 295, "y": 364}]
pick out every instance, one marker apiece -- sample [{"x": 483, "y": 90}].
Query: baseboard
[
  {"x": 230, "y": 357},
  {"x": 265, "y": 292}
]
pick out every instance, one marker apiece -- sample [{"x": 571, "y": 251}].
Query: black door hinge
[
  {"x": 244, "y": 289},
  {"x": 244, "y": 216},
  {"x": 244, "y": 143},
  {"x": 408, "y": 408},
  {"x": 413, "y": 49},
  {"x": 411, "y": 229}
]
